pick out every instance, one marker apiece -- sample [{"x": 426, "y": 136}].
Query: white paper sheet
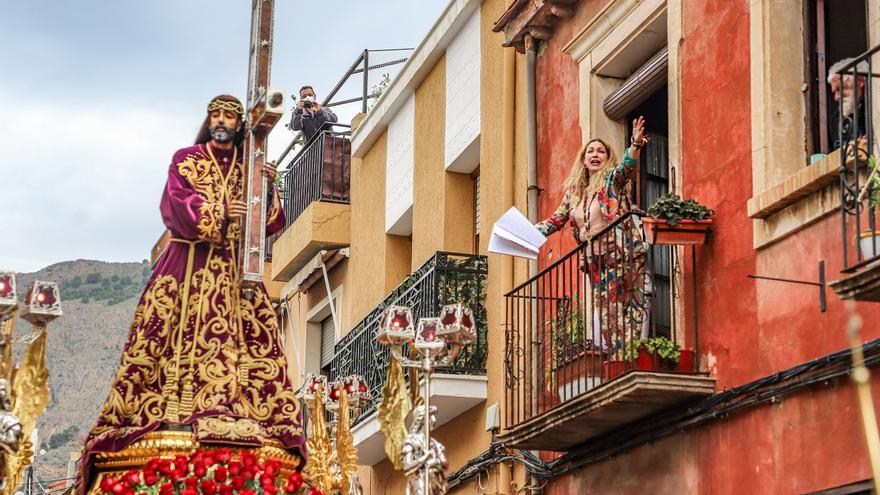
[{"x": 514, "y": 235}]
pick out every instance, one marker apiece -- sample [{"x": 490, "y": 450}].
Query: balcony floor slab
[
  {"x": 863, "y": 285},
  {"x": 633, "y": 396},
  {"x": 452, "y": 394}
]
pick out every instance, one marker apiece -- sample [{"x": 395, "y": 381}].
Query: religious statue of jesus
[{"x": 201, "y": 355}]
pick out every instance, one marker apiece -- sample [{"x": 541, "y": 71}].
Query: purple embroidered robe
[{"x": 199, "y": 352}]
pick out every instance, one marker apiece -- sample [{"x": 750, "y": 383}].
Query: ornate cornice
[{"x": 535, "y": 18}]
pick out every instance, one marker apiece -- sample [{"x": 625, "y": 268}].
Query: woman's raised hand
[{"x": 638, "y": 129}]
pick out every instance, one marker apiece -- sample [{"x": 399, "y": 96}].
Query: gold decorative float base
[{"x": 168, "y": 444}]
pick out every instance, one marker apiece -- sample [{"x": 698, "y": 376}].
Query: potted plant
[
  {"x": 571, "y": 356},
  {"x": 674, "y": 221},
  {"x": 869, "y": 240},
  {"x": 659, "y": 353},
  {"x": 617, "y": 363}
]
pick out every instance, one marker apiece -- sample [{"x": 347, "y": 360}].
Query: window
[
  {"x": 834, "y": 30},
  {"x": 328, "y": 344}
]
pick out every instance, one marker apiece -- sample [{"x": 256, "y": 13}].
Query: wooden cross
[{"x": 264, "y": 108}]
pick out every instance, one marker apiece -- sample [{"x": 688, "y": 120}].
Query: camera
[
  {"x": 308, "y": 101},
  {"x": 307, "y": 104}
]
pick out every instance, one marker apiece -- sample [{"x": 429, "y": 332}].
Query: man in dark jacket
[{"x": 308, "y": 116}]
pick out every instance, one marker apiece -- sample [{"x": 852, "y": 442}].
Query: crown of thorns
[{"x": 231, "y": 106}]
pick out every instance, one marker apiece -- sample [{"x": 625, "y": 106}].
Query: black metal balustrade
[
  {"x": 321, "y": 171},
  {"x": 443, "y": 279},
  {"x": 609, "y": 306},
  {"x": 859, "y": 187}
]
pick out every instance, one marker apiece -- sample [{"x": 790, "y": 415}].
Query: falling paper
[{"x": 514, "y": 235}]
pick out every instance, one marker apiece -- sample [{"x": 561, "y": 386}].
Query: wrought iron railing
[
  {"x": 859, "y": 181},
  {"x": 319, "y": 172},
  {"x": 361, "y": 65},
  {"x": 445, "y": 278},
  {"x": 609, "y": 306}
]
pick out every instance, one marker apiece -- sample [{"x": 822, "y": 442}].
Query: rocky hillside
[{"x": 98, "y": 300}]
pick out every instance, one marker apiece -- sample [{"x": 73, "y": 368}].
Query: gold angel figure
[
  {"x": 346, "y": 452},
  {"x": 320, "y": 459},
  {"x": 30, "y": 391}
]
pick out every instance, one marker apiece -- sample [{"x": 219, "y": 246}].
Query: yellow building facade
[{"x": 433, "y": 165}]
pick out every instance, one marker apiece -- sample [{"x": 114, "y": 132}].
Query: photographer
[{"x": 308, "y": 116}]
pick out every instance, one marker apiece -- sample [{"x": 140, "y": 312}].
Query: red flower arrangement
[{"x": 208, "y": 472}]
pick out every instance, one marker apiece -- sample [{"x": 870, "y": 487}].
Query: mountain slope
[{"x": 98, "y": 300}]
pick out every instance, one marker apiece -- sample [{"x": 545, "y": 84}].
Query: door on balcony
[{"x": 651, "y": 182}]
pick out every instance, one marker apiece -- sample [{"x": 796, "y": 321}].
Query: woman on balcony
[{"x": 596, "y": 195}]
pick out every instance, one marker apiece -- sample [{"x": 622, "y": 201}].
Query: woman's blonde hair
[{"x": 583, "y": 184}]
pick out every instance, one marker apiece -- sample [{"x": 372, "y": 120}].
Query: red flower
[
  {"x": 118, "y": 488},
  {"x": 209, "y": 459},
  {"x": 181, "y": 462},
  {"x": 248, "y": 459},
  {"x": 191, "y": 483},
  {"x": 237, "y": 482},
  {"x": 208, "y": 487},
  {"x": 234, "y": 468},
  {"x": 151, "y": 479},
  {"x": 248, "y": 474},
  {"x": 296, "y": 478},
  {"x": 165, "y": 467},
  {"x": 166, "y": 488},
  {"x": 200, "y": 470},
  {"x": 270, "y": 490},
  {"x": 314, "y": 491},
  {"x": 189, "y": 491},
  {"x": 225, "y": 490},
  {"x": 128, "y": 491},
  {"x": 266, "y": 480},
  {"x": 247, "y": 492},
  {"x": 220, "y": 474},
  {"x": 223, "y": 454},
  {"x": 133, "y": 477},
  {"x": 107, "y": 484},
  {"x": 271, "y": 469},
  {"x": 177, "y": 475}
]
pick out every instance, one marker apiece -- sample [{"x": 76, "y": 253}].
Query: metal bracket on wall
[{"x": 820, "y": 284}]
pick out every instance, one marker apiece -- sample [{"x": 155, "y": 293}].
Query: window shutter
[
  {"x": 638, "y": 87},
  {"x": 328, "y": 341}
]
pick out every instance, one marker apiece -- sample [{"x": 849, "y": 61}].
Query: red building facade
[{"x": 740, "y": 119}]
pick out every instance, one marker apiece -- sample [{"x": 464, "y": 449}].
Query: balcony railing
[
  {"x": 859, "y": 182},
  {"x": 609, "y": 306},
  {"x": 445, "y": 278},
  {"x": 321, "y": 171}
]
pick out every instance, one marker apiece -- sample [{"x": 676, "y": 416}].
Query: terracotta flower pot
[
  {"x": 646, "y": 361},
  {"x": 686, "y": 361},
  {"x": 612, "y": 369},
  {"x": 685, "y": 232}
]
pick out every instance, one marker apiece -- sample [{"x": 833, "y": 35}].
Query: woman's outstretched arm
[{"x": 559, "y": 217}]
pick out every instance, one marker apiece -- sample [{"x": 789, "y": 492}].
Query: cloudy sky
[{"x": 96, "y": 95}]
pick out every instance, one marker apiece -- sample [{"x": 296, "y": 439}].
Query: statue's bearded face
[{"x": 224, "y": 125}]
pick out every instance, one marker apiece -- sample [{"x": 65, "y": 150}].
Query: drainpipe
[
  {"x": 508, "y": 141},
  {"x": 531, "y": 139},
  {"x": 531, "y": 47}
]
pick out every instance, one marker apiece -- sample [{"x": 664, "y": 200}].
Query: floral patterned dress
[{"x": 614, "y": 259}]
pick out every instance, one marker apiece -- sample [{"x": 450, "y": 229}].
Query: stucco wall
[{"x": 748, "y": 328}]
